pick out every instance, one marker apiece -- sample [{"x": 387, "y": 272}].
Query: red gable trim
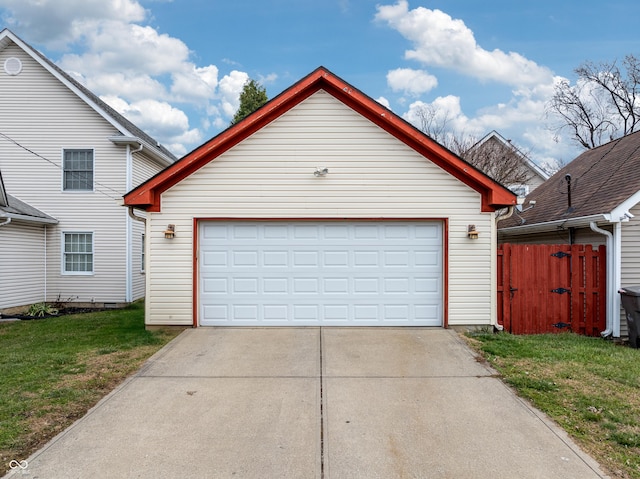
[{"x": 494, "y": 195}]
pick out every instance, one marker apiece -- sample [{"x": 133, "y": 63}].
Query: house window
[
  {"x": 520, "y": 190},
  {"x": 77, "y": 170},
  {"x": 142, "y": 255},
  {"x": 78, "y": 253}
]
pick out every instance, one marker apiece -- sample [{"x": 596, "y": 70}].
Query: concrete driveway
[{"x": 313, "y": 403}]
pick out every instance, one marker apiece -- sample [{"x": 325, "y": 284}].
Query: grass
[
  {"x": 589, "y": 386},
  {"x": 52, "y": 371}
]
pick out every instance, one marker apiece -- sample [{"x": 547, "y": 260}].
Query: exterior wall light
[
  {"x": 321, "y": 171},
  {"x": 170, "y": 232},
  {"x": 472, "y": 232}
]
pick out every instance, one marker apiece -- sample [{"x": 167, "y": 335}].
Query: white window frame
[
  {"x": 93, "y": 170},
  {"x": 516, "y": 189},
  {"x": 64, "y": 254}
]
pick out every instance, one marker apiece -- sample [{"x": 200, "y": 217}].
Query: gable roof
[
  {"x": 605, "y": 182},
  {"x": 495, "y": 136},
  {"x": 494, "y": 195},
  {"x": 12, "y": 207},
  {"x": 128, "y": 130}
]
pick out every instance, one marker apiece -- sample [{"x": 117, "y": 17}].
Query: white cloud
[
  {"x": 230, "y": 88},
  {"x": 56, "y": 23},
  {"x": 446, "y": 109},
  {"x": 413, "y": 82},
  {"x": 384, "y": 102},
  {"x": 267, "y": 79},
  {"x": 196, "y": 85},
  {"x": 148, "y": 76},
  {"x": 439, "y": 40},
  {"x": 158, "y": 119},
  {"x": 127, "y": 86},
  {"x": 114, "y": 46}
]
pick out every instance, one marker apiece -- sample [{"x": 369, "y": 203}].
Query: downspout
[
  {"x": 5, "y": 222},
  {"x": 129, "y": 229},
  {"x": 136, "y": 217},
  {"x": 508, "y": 214},
  {"x": 612, "y": 290},
  {"x": 45, "y": 263}
]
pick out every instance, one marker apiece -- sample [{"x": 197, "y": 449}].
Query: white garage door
[{"x": 329, "y": 273}]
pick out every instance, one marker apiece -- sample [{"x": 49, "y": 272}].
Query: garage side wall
[{"x": 270, "y": 175}]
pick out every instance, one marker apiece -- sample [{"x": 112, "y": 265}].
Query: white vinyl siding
[
  {"x": 371, "y": 175},
  {"x": 630, "y": 271},
  {"x": 143, "y": 169},
  {"x": 22, "y": 258},
  {"x": 43, "y": 115}
]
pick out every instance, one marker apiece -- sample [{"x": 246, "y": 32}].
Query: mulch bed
[{"x": 62, "y": 312}]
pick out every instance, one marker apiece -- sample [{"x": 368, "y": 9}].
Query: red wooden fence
[{"x": 550, "y": 288}]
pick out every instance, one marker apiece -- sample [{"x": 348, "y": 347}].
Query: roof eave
[
  {"x": 494, "y": 195},
  {"x": 137, "y": 142},
  {"x": 31, "y": 219},
  {"x": 550, "y": 226},
  {"x": 621, "y": 212}
]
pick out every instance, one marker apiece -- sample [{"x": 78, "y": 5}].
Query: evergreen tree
[{"x": 253, "y": 96}]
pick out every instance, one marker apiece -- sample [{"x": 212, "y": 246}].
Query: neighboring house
[
  {"x": 321, "y": 208},
  {"x": 22, "y": 229},
  {"x": 592, "y": 200},
  {"x": 494, "y": 146},
  {"x": 66, "y": 159}
]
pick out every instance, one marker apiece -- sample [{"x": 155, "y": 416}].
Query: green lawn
[
  {"x": 589, "y": 386},
  {"x": 53, "y": 370}
]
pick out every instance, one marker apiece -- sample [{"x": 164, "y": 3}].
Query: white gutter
[
  {"x": 583, "y": 221},
  {"x": 5, "y": 222},
  {"x": 494, "y": 266},
  {"x": 129, "y": 227},
  {"x": 45, "y": 263},
  {"x": 134, "y": 216},
  {"x": 507, "y": 215},
  {"x": 152, "y": 151},
  {"x": 612, "y": 290},
  {"x": 33, "y": 219}
]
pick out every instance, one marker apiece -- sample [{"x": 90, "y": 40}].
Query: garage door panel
[
  {"x": 335, "y": 286},
  {"x": 335, "y": 259},
  {"x": 279, "y": 286},
  {"x": 320, "y": 273}
]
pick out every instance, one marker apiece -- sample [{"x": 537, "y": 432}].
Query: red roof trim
[{"x": 148, "y": 194}]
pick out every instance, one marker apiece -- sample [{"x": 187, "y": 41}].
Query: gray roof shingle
[{"x": 601, "y": 179}]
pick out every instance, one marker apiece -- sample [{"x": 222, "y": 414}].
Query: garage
[
  {"x": 321, "y": 208},
  {"x": 321, "y": 273}
]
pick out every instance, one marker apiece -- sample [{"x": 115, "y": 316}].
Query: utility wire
[{"x": 38, "y": 155}]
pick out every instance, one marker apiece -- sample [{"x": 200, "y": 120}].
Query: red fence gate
[{"x": 550, "y": 288}]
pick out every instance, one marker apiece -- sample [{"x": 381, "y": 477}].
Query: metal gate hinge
[
  {"x": 561, "y": 325},
  {"x": 561, "y": 254},
  {"x": 560, "y": 290}
]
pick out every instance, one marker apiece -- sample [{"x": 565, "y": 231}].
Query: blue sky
[{"x": 176, "y": 68}]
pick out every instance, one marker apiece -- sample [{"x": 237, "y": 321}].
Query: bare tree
[
  {"x": 503, "y": 163},
  {"x": 602, "y": 105},
  {"x": 434, "y": 122}
]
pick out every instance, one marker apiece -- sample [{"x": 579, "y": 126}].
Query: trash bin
[{"x": 630, "y": 296}]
